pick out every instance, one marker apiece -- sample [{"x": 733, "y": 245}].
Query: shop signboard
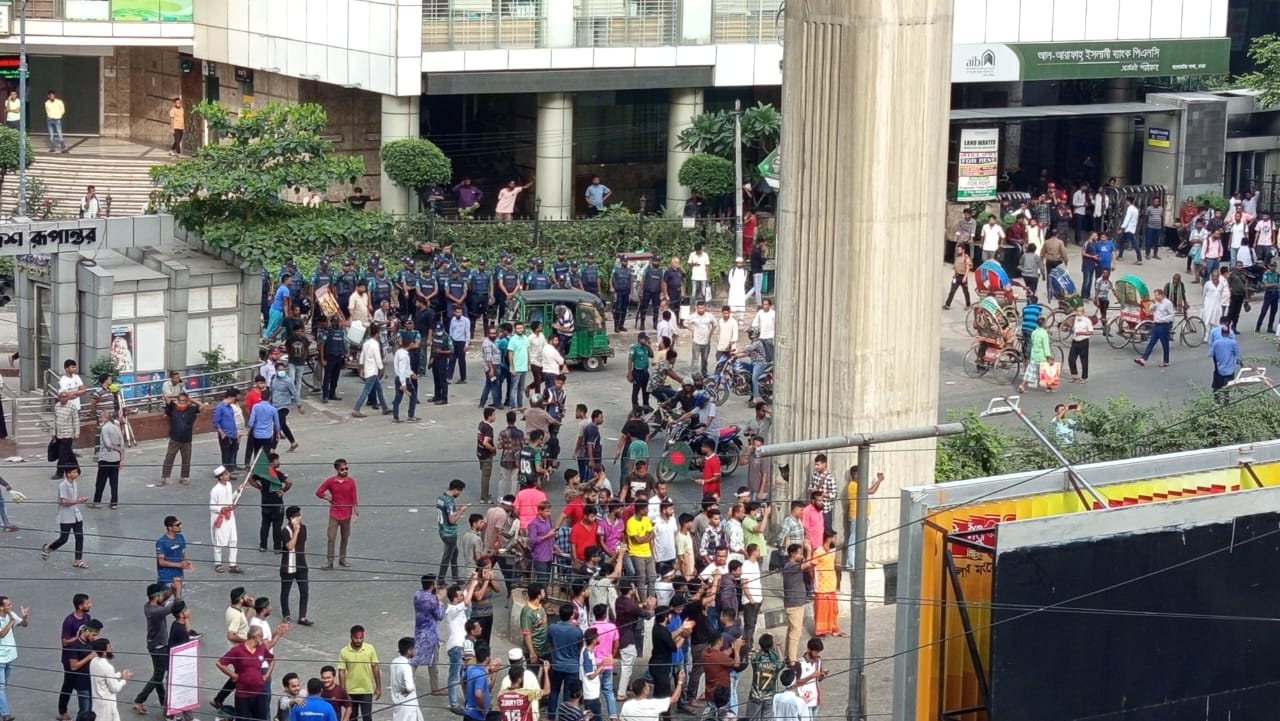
[
  {"x": 1012, "y": 62},
  {"x": 153, "y": 11},
  {"x": 978, "y": 169}
]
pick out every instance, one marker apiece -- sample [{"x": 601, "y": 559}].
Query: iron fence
[
  {"x": 481, "y": 24},
  {"x": 746, "y": 21}
]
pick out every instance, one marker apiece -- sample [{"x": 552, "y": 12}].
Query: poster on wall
[
  {"x": 122, "y": 348},
  {"x": 153, "y": 11},
  {"x": 978, "y": 171}
]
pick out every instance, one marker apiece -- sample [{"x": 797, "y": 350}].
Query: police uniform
[
  {"x": 322, "y": 277},
  {"x": 455, "y": 292},
  {"x": 441, "y": 352},
  {"x": 346, "y": 286},
  {"x": 408, "y": 282},
  {"x": 478, "y": 286},
  {"x": 333, "y": 343},
  {"x": 427, "y": 287},
  {"x": 441, "y": 279},
  {"x": 538, "y": 279},
  {"x": 590, "y": 277},
  {"x": 560, "y": 272},
  {"x": 506, "y": 283},
  {"x": 380, "y": 287},
  {"x": 620, "y": 282},
  {"x": 415, "y": 357},
  {"x": 651, "y": 292}
]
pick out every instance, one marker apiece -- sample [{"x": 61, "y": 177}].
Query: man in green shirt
[
  {"x": 766, "y": 666},
  {"x": 638, "y": 358},
  {"x": 359, "y": 674},
  {"x": 754, "y": 524},
  {"x": 533, "y": 625}
]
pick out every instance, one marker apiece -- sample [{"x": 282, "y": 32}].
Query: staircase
[{"x": 125, "y": 180}]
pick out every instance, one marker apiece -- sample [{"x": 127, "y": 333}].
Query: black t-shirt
[
  {"x": 358, "y": 201},
  {"x": 636, "y": 429},
  {"x": 663, "y": 645},
  {"x": 299, "y": 349},
  {"x": 79, "y": 649},
  {"x": 697, "y": 613},
  {"x": 483, "y": 431},
  {"x": 674, "y": 280}
]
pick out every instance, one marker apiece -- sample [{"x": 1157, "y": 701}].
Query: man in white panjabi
[
  {"x": 222, "y": 519},
  {"x": 105, "y": 681},
  {"x": 404, "y": 695}
]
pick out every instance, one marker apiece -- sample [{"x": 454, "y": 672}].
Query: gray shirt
[
  {"x": 1163, "y": 311},
  {"x": 793, "y": 591},
  {"x": 284, "y": 393},
  {"x": 468, "y": 545},
  {"x": 68, "y": 490},
  {"x": 112, "y": 443}
]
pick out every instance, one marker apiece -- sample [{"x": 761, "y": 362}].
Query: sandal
[
  {"x": 10, "y": 529},
  {"x": 217, "y": 568},
  {"x": 80, "y": 564},
  {"x": 44, "y": 556},
  {"x": 140, "y": 709},
  {"x": 184, "y": 481}
]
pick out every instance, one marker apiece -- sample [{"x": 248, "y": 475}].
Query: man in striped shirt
[{"x": 825, "y": 483}]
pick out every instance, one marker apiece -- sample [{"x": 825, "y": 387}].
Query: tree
[
  {"x": 712, "y": 132},
  {"x": 262, "y": 152},
  {"x": 1264, "y": 51},
  {"x": 9, "y": 153},
  {"x": 415, "y": 163},
  {"x": 707, "y": 175}
]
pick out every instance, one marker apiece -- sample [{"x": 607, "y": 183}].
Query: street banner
[
  {"x": 771, "y": 169},
  {"x": 978, "y": 170},
  {"x": 183, "y": 681}
]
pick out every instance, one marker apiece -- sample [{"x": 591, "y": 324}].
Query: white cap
[
  {"x": 515, "y": 654},
  {"x": 219, "y": 471}
]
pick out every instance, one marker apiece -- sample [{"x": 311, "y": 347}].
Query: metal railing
[
  {"x": 746, "y": 21},
  {"x": 627, "y": 23},
  {"x": 146, "y": 396},
  {"x": 481, "y": 24}
]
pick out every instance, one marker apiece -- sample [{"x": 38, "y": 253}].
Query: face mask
[{"x": 282, "y": 374}]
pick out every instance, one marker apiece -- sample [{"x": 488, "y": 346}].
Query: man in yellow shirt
[
  {"x": 639, "y": 531},
  {"x": 359, "y": 674},
  {"x": 178, "y": 123},
  {"x": 54, "y": 109},
  {"x": 13, "y": 110}
]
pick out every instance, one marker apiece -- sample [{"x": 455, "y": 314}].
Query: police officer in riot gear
[
  {"x": 479, "y": 294},
  {"x": 323, "y": 275},
  {"x": 651, "y": 292},
  {"x": 407, "y": 285},
  {"x": 427, "y": 287},
  {"x": 333, "y": 356},
  {"x": 441, "y": 277},
  {"x": 410, "y": 333},
  {"x": 455, "y": 292},
  {"x": 590, "y": 277},
  {"x": 507, "y": 283},
  {"x": 538, "y": 279},
  {"x": 560, "y": 270},
  {"x": 347, "y": 280},
  {"x": 620, "y": 284},
  {"x": 441, "y": 352},
  {"x": 380, "y": 286}
]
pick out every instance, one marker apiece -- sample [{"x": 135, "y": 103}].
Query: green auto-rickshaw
[{"x": 589, "y": 344}]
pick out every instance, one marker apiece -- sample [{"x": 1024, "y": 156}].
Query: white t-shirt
[
  {"x": 992, "y": 234},
  {"x": 8, "y": 644},
  {"x": 698, "y": 264},
  {"x": 764, "y": 322},
  {"x": 643, "y": 709},
  {"x": 701, "y": 324},
  {"x": 808, "y": 693},
  {"x": 1130, "y": 222},
  {"x": 455, "y": 620},
  {"x": 1266, "y": 232},
  {"x": 750, "y": 582},
  {"x": 71, "y": 383},
  {"x": 664, "y": 539},
  {"x": 552, "y": 360},
  {"x": 1238, "y": 231},
  {"x": 262, "y": 624}
]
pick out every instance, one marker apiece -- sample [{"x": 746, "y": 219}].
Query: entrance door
[{"x": 44, "y": 336}]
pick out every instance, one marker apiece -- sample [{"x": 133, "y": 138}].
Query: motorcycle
[
  {"x": 658, "y": 418},
  {"x": 728, "y": 448}
]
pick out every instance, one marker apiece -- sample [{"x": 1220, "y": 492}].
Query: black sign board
[{"x": 244, "y": 75}]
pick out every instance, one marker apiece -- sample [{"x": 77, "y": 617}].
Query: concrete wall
[{"x": 138, "y": 86}]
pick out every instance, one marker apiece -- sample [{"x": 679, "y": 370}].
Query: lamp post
[{"x": 22, "y": 113}]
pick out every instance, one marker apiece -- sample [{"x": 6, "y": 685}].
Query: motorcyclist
[
  {"x": 704, "y": 411},
  {"x": 662, "y": 371},
  {"x": 755, "y": 362},
  {"x": 683, "y": 399}
]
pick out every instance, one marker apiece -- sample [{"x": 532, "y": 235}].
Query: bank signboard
[{"x": 1011, "y": 62}]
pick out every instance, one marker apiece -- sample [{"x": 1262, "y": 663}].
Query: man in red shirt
[
  {"x": 585, "y": 535},
  {"x": 710, "y": 470},
  {"x": 574, "y": 509},
  {"x": 344, "y": 505},
  {"x": 248, "y": 665},
  {"x": 251, "y": 399}
]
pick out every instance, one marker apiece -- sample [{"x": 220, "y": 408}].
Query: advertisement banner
[
  {"x": 183, "y": 682},
  {"x": 153, "y": 11},
  {"x": 1010, "y": 62},
  {"x": 771, "y": 169},
  {"x": 978, "y": 170}
]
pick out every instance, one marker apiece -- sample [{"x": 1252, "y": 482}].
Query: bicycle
[{"x": 1189, "y": 330}]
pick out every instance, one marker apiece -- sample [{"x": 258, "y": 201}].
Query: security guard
[
  {"x": 441, "y": 277},
  {"x": 455, "y": 292},
  {"x": 575, "y": 275},
  {"x": 333, "y": 344},
  {"x": 410, "y": 333},
  {"x": 295, "y": 278},
  {"x": 591, "y": 276},
  {"x": 407, "y": 285},
  {"x": 560, "y": 270},
  {"x": 506, "y": 284},
  {"x": 526, "y": 278},
  {"x": 441, "y": 352},
  {"x": 620, "y": 284},
  {"x": 479, "y": 295},
  {"x": 380, "y": 287},
  {"x": 323, "y": 275},
  {"x": 427, "y": 287},
  {"x": 651, "y": 291},
  {"x": 538, "y": 279},
  {"x": 347, "y": 283}
]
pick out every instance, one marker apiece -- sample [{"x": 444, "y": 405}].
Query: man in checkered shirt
[{"x": 825, "y": 483}]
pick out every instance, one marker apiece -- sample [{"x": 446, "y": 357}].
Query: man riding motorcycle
[{"x": 704, "y": 410}]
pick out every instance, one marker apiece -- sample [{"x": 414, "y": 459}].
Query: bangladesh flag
[{"x": 263, "y": 471}]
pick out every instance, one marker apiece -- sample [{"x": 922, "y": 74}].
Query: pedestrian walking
[
  {"x": 1270, "y": 298},
  {"x": 160, "y": 600},
  {"x": 342, "y": 493},
  {"x": 181, "y": 413},
  {"x": 960, "y": 268},
  {"x": 274, "y": 483},
  {"x": 1039, "y": 351},
  {"x": 66, "y": 429},
  {"x": 447, "y": 515},
  {"x": 1162, "y": 324},
  {"x": 77, "y": 654},
  {"x": 1216, "y": 296},
  {"x": 263, "y": 424},
  {"x": 70, "y": 521},
  {"x": 371, "y": 370},
  {"x": 284, "y": 395},
  {"x": 105, "y": 681},
  {"x": 293, "y": 566},
  {"x": 702, "y": 324},
  {"x": 360, "y": 674},
  {"x": 9, "y": 622},
  {"x": 223, "y": 499},
  {"x": 178, "y": 125}
]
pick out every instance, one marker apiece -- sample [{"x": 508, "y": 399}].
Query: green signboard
[
  {"x": 1011, "y": 62},
  {"x": 771, "y": 169},
  {"x": 153, "y": 11}
]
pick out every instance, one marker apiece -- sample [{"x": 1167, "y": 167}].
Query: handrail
[{"x": 206, "y": 383}]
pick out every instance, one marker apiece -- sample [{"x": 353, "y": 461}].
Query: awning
[{"x": 1042, "y": 112}]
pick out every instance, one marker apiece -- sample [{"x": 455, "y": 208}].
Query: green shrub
[
  {"x": 414, "y": 163},
  {"x": 708, "y": 175}
]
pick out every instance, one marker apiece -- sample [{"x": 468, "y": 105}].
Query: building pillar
[
  {"x": 554, "y": 182},
  {"x": 1012, "y": 144},
  {"x": 1117, "y": 134},
  {"x": 860, "y": 135},
  {"x": 686, "y": 103},
  {"x": 399, "y": 121}
]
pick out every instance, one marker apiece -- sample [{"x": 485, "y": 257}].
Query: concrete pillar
[
  {"x": 554, "y": 182},
  {"x": 860, "y": 135},
  {"x": 64, "y": 325},
  {"x": 686, "y": 103},
  {"x": 399, "y": 121},
  {"x": 1117, "y": 134},
  {"x": 1011, "y": 148}
]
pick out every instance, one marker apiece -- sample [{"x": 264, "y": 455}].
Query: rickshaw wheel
[
  {"x": 1117, "y": 337},
  {"x": 971, "y": 367},
  {"x": 1061, "y": 326},
  {"x": 592, "y": 363},
  {"x": 1138, "y": 339},
  {"x": 1192, "y": 333},
  {"x": 1007, "y": 366},
  {"x": 971, "y": 321}
]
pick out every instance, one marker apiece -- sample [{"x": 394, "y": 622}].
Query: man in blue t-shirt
[
  {"x": 566, "y": 640},
  {"x": 171, "y": 552},
  {"x": 1106, "y": 250},
  {"x": 312, "y": 707},
  {"x": 476, "y": 680},
  {"x": 279, "y": 308}
]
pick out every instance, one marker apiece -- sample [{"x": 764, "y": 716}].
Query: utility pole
[
  {"x": 737, "y": 174},
  {"x": 22, "y": 114},
  {"x": 857, "y": 708}
]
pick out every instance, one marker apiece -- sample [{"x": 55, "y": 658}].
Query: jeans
[
  {"x": 1159, "y": 333},
  {"x": 84, "y": 700},
  {"x": 295, "y": 374},
  {"x": 5, "y": 669},
  {"x": 1270, "y": 299},
  {"x": 1210, "y": 265},
  {"x": 492, "y": 388},
  {"x": 515, "y": 387},
  {"x": 4, "y": 517},
  {"x": 606, "y": 690},
  {"x": 284, "y": 425},
  {"x": 256, "y": 706},
  {"x": 541, "y": 572},
  {"x": 1152, "y": 236},
  {"x": 701, "y": 291},
  {"x": 757, "y": 371},
  {"x": 455, "y": 677},
  {"x": 408, "y": 387},
  {"x": 176, "y": 147},
  {"x": 1087, "y": 271},
  {"x": 1127, "y": 240},
  {"x": 372, "y": 392},
  {"x": 698, "y": 361},
  {"x": 449, "y": 558},
  {"x": 230, "y": 448},
  {"x": 159, "y": 667},
  {"x": 55, "y": 134},
  {"x": 757, "y": 283}
]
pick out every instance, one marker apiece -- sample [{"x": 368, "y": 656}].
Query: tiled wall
[{"x": 1009, "y": 21}]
